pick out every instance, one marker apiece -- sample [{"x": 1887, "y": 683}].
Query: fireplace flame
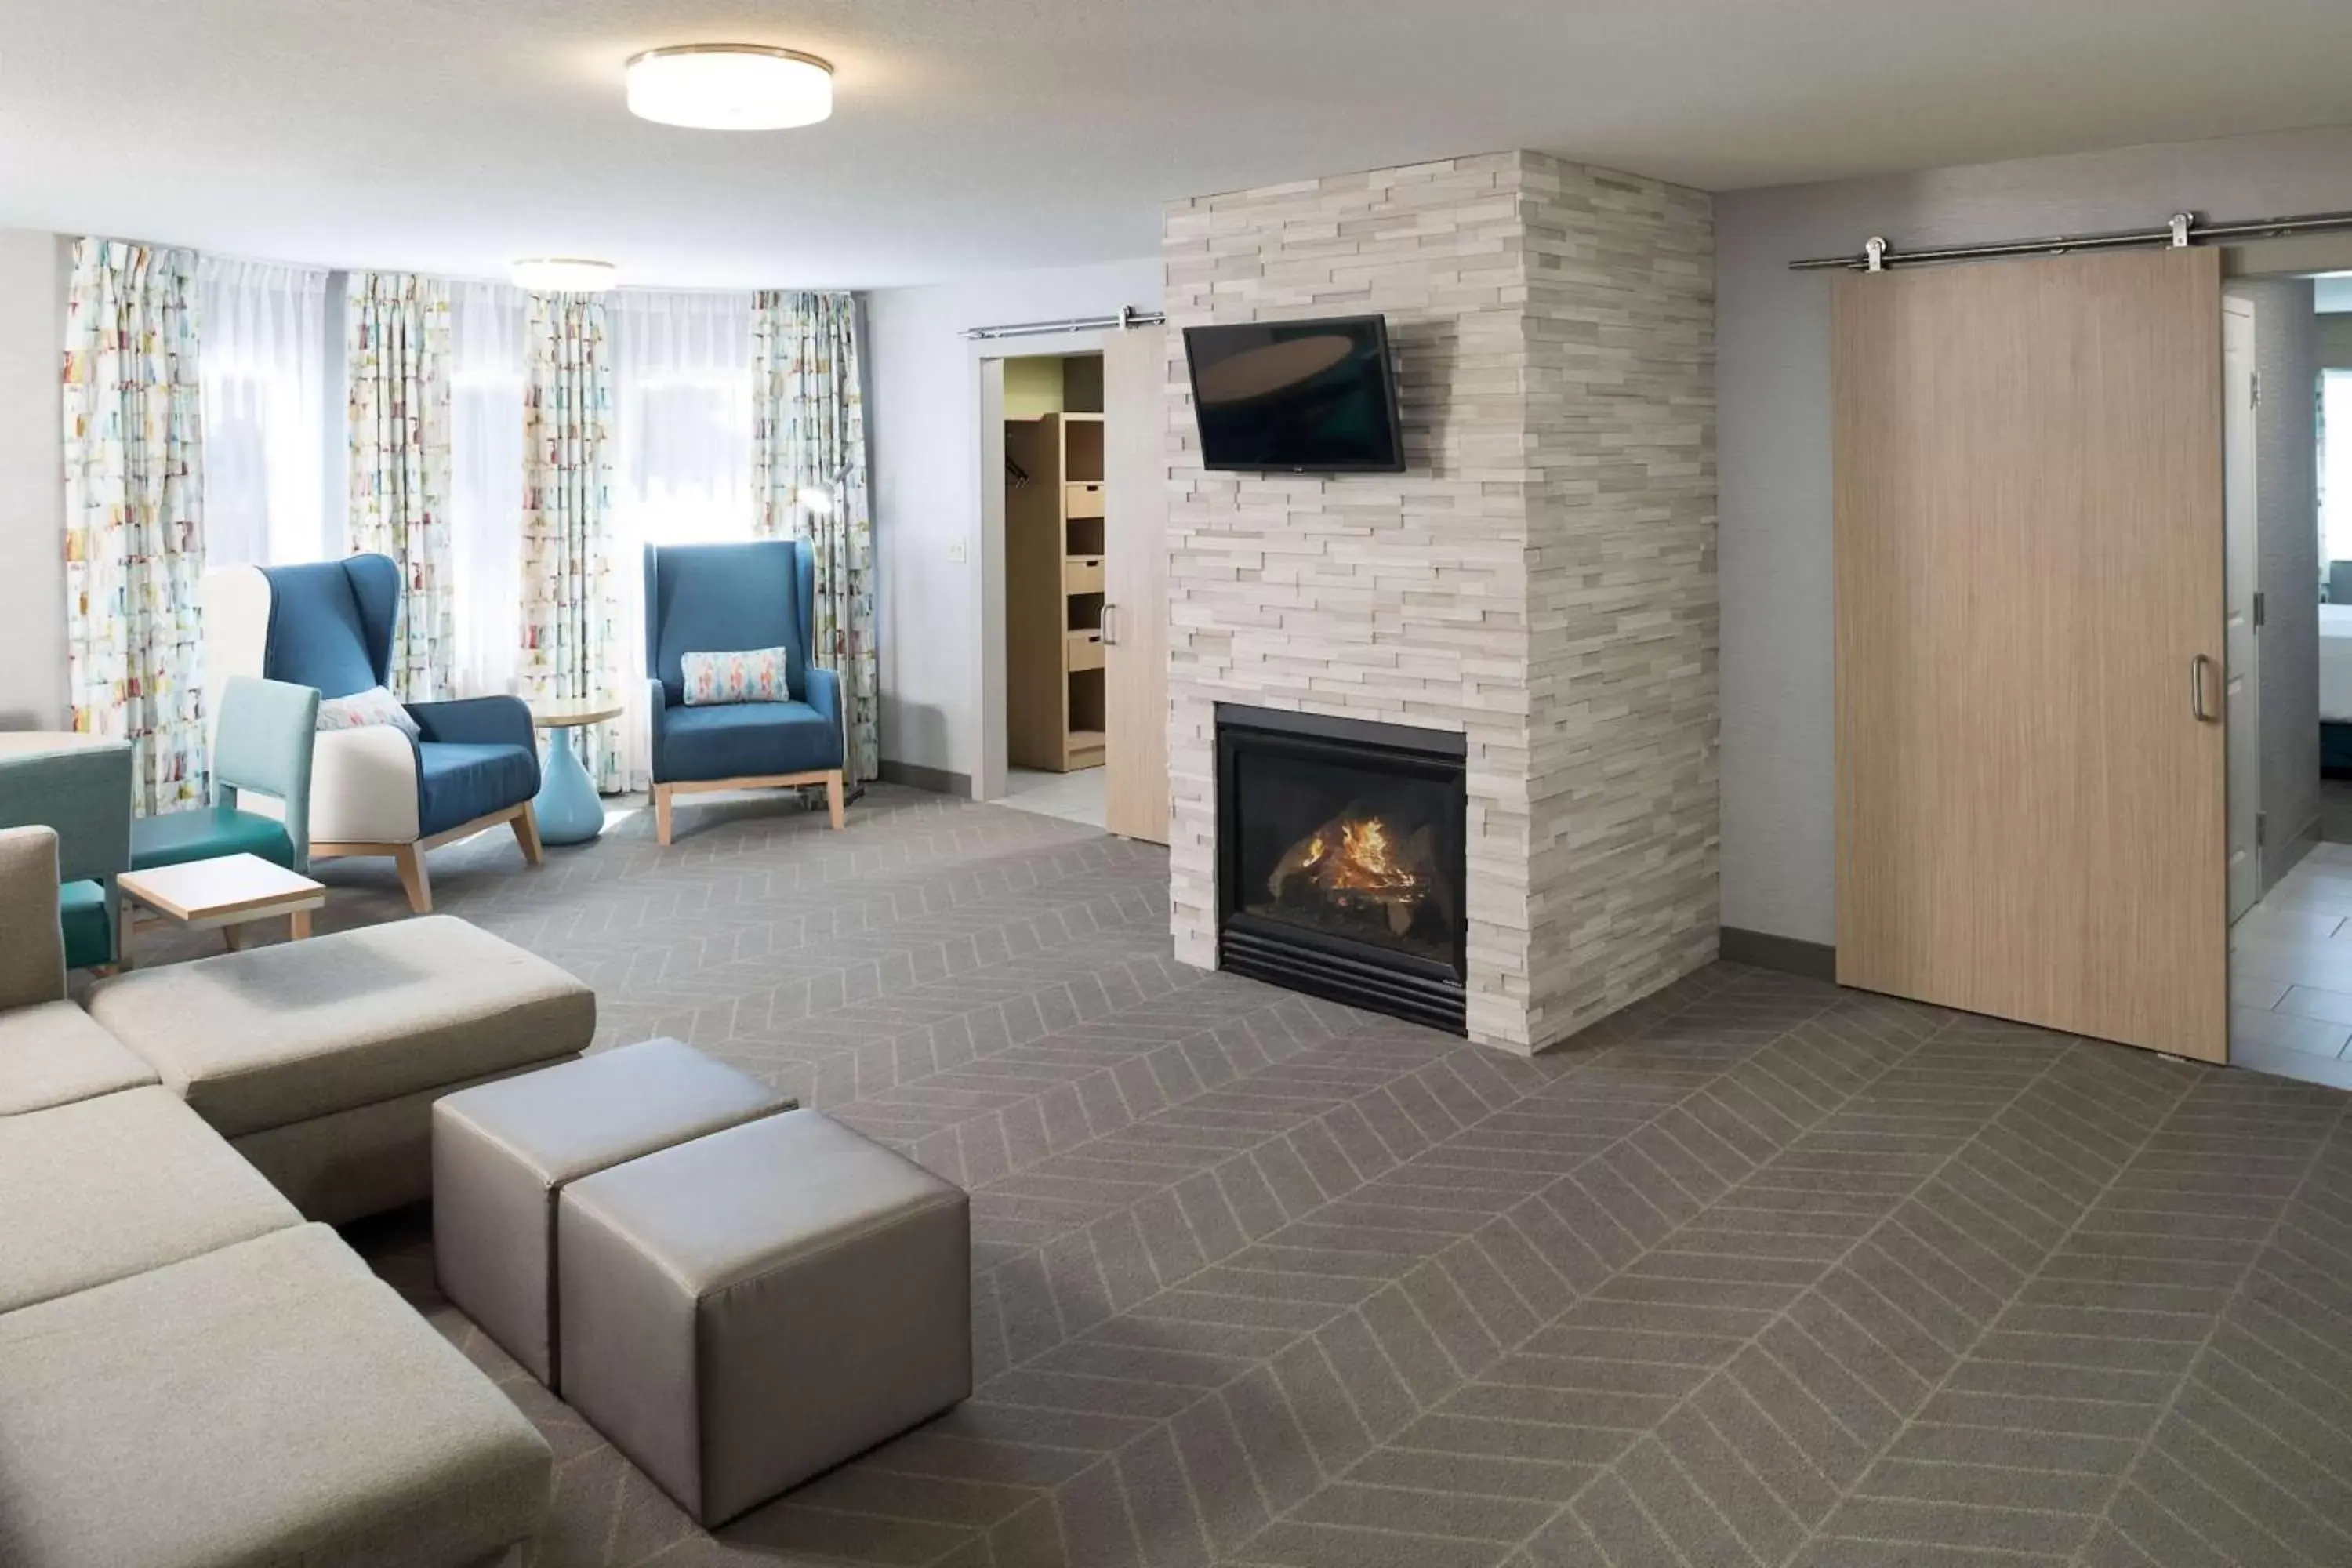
[
  {"x": 1365, "y": 859},
  {"x": 1356, "y": 859}
]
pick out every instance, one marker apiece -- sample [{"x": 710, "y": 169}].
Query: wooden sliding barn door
[
  {"x": 2028, "y": 643},
  {"x": 1135, "y": 574}
]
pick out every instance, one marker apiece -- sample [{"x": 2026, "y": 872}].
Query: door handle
[
  {"x": 2198, "y": 665},
  {"x": 1110, "y": 626}
]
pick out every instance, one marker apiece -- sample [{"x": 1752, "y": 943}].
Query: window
[{"x": 262, "y": 376}]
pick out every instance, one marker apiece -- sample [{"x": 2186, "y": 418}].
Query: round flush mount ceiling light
[
  {"x": 563, "y": 274},
  {"x": 729, "y": 87}
]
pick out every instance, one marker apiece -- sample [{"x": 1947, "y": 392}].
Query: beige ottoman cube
[
  {"x": 502, "y": 1152},
  {"x": 745, "y": 1310}
]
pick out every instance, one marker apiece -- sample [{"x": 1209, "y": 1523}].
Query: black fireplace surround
[{"x": 1339, "y": 860}]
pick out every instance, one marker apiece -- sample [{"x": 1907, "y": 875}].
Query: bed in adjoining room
[{"x": 2336, "y": 692}]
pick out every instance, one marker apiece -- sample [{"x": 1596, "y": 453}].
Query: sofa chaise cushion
[
  {"x": 106, "y": 1188},
  {"x": 270, "y": 1403},
  {"x": 279, "y": 1035},
  {"x": 54, "y": 1055}
]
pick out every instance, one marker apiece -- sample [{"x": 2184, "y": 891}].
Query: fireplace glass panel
[{"x": 1368, "y": 854}]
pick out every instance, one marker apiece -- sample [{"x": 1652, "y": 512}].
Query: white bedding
[{"x": 2336, "y": 663}]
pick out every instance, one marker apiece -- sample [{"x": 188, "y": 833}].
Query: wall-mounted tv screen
[{"x": 1296, "y": 397}]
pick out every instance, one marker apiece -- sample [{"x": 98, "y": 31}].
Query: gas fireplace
[{"x": 1339, "y": 860}]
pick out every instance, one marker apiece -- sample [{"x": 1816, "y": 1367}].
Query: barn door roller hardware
[
  {"x": 1127, "y": 319},
  {"x": 2180, "y": 229}
]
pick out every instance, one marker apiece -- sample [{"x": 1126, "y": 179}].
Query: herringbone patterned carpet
[{"x": 1770, "y": 1274}]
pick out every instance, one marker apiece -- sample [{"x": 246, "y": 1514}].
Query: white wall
[
  {"x": 1772, "y": 369},
  {"x": 34, "y": 270},
  {"x": 923, "y": 425}
]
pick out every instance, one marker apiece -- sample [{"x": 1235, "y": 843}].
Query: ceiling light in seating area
[
  {"x": 729, "y": 87},
  {"x": 564, "y": 275}
]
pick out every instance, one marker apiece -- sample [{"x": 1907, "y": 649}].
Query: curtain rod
[
  {"x": 1128, "y": 319},
  {"x": 2183, "y": 229}
]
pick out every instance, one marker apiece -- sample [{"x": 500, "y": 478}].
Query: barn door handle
[
  {"x": 1110, "y": 626},
  {"x": 2198, "y": 665}
]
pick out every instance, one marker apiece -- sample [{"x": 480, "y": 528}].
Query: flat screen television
[{"x": 1296, "y": 397}]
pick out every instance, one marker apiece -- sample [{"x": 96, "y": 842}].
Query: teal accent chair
[
  {"x": 262, "y": 746},
  {"x": 725, "y": 598},
  {"x": 81, "y": 790}
]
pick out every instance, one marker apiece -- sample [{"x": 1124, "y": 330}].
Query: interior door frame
[
  {"x": 2241, "y": 542},
  {"x": 990, "y": 766}
]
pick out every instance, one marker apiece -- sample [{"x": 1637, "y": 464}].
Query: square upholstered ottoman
[
  {"x": 502, "y": 1152},
  {"x": 747, "y": 1310}
]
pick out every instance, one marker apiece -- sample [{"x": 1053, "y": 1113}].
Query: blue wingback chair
[
  {"x": 373, "y": 790},
  {"x": 724, "y": 598}
]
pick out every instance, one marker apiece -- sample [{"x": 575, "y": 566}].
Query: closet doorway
[
  {"x": 1053, "y": 707},
  {"x": 1075, "y": 528}
]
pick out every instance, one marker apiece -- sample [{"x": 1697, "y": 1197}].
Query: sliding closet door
[
  {"x": 1135, "y": 573},
  {"x": 2028, "y": 643}
]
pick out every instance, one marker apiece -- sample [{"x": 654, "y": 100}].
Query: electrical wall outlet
[{"x": 955, "y": 550}]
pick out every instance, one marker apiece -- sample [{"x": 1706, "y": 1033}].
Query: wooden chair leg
[
  {"x": 833, "y": 788},
  {"x": 409, "y": 859},
  {"x": 526, "y": 832},
  {"x": 661, "y": 812}
]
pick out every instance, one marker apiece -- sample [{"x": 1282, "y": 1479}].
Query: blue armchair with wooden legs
[
  {"x": 375, "y": 789},
  {"x": 732, "y": 598}
]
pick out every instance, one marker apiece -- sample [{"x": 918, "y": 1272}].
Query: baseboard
[
  {"x": 1814, "y": 960},
  {"x": 939, "y": 781}
]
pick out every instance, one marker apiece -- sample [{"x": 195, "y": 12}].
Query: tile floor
[
  {"x": 2291, "y": 971},
  {"x": 1073, "y": 797}
]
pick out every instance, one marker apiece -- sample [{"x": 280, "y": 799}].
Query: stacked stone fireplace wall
[{"x": 1541, "y": 579}]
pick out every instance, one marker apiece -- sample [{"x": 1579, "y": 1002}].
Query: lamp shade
[
  {"x": 730, "y": 87},
  {"x": 564, "y": 275}
]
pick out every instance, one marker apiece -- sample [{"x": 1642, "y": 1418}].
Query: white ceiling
[{"x": 975, "y": 136}]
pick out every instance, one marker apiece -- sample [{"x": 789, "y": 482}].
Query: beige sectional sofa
[{"x": 189, "y": 1373}]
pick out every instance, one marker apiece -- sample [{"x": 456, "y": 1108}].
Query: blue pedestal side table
[{"x": 568, "y": 809}]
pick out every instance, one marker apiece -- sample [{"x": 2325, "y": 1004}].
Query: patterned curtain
[
  {"x": 134, "y": 512},
  {"x": 397, "y": 350},
  {"x": 572, "y": 638},
  {"x": 808, "y": 437}
]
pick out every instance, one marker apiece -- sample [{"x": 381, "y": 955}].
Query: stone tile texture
[{"x": 1541, "y": 579}]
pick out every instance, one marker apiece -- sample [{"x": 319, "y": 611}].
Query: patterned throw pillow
[
  {"x": 361, "y": 708},
  {"x": 747, "y": 675}
]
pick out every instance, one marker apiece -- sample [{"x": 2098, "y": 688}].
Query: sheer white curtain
[
  {"x": 682, "y": 451},
  {"x": 486, "y": 426},
  {"x": 261, "y": 366}
]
